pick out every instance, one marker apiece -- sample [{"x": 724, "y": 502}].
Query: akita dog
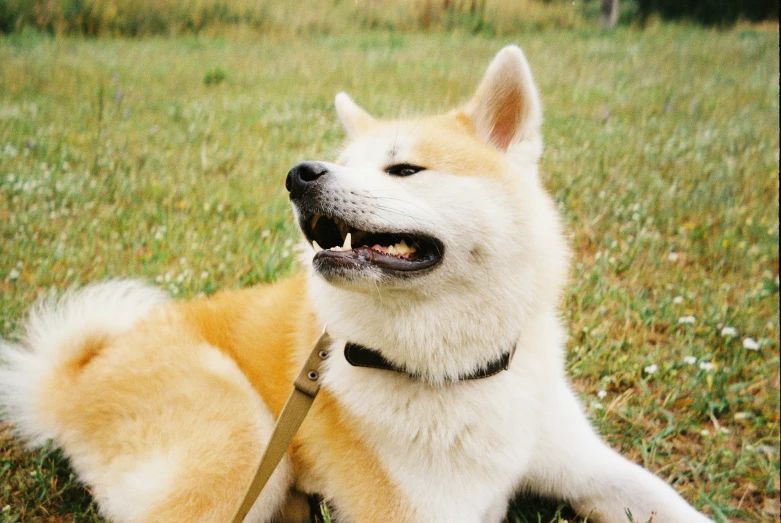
[{"x": 432, "y": 252}]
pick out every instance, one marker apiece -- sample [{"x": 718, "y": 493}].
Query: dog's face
[{"x": 439, "y": 214}]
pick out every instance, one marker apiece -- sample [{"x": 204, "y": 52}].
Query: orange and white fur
[{"x": 164, "y": 407}]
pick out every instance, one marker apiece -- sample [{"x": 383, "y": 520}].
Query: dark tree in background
[
  {"x": 711, "y": 12},
  {"x": 608, "y": 13}
]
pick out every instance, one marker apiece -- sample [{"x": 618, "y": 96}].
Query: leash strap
[{"x": 305, "y": 389}]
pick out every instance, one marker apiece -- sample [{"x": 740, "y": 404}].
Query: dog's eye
[{"x": 403, "y": 169}]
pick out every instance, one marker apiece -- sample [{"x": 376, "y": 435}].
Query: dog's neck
[{"x": 439, "y": 339}]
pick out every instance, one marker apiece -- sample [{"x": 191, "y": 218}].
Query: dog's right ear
[
  {"x": 354, "y": 119},
  {"x": 506, "y": 108}
]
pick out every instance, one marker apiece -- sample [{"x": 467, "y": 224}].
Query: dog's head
[{"x": 434, "y": 228}]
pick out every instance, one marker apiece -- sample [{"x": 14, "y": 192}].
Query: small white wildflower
[
  {"x": 678, "y": 300},
  {"x": 673, "y": 256},
  {"x": 204, "y": 275},
  {"x": 729, "y": 332},
  {"x": 7, "y": 508},
  {"x": 740, "y": 416},
  {"x": 704, "y": 433},
  {"x": 687, "y": 320},
  {"x": 689, "y": 360},
  {"x": 706, "y": 365},
  {"x": 13, "y": 275},
  {"x": 724, "y": 430},
  {"x": 750, "y": 344},
  {"x": 602, "y": 394},
  {"x": 265, "y": 233},
  {"x": 597, "y": 405},
  {"x": 159, "y": 278},
  {"x": 651, "y": 368}
]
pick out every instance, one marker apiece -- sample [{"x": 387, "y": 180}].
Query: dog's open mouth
[{"x": 337, "y": 243}]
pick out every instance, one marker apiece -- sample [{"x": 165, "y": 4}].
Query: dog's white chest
[{"x": 455, "y": 452}]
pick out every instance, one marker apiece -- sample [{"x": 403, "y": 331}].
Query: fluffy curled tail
[{"x": 58, "y": 334}]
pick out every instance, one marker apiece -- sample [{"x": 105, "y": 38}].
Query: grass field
[{"x": 164, "y": 159}]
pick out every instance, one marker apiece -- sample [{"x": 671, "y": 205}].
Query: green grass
[{"x": 164, "y": 159}]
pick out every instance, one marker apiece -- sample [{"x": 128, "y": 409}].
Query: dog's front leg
[{"x": 572, "y": 463}]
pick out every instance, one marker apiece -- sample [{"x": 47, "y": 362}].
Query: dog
[{"x": 435, "y": 259}]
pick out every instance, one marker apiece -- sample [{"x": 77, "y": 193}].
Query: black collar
[{"x": 360, "y": 356}]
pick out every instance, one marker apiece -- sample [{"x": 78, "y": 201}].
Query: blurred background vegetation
[{"x": 493, "y": 17}]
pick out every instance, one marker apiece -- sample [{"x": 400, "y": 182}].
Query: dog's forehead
[
  {"x": 442, "y": 143},
  {"x": 381, "y": 146}
]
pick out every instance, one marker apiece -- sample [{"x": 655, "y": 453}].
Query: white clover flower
[
  {"x": 204, "y": 275},
  {"x": 265, "y": 233},
  {"x": 750, "y": 344},
  {"x": 597, "y": 405},
  {"x": 13, "y": 275},
  {"x": 689, "y": 360},
  {"x": 678, "y": 300},
  {"x": 673, "y": 256},
  {"x": 729, "y": 332},
  {"x": 706, "y": 365},
  {"x": 651, "y": 368},
  {"x": 601, "y": 394},
  {"x": 687, "y": 320}
]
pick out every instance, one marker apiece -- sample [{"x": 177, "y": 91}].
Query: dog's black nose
[{"x": 303, "y": 176}]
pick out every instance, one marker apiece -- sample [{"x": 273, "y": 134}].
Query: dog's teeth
[
  {"x": 335, "y": 248},
  {"x": 403, "y": 248},
  {"x": 348, "y": 245},
  {"x": 316, "y": 247},
  {"x": 314, "y": 220},
  {"x": 391, "y": 249}
]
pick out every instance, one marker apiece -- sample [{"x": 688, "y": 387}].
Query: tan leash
[{"x": 305, "y": 389}]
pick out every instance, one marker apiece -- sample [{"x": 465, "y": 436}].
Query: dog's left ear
[
  {"x": 354, "y": 119},
  {"x": 506, "y": 108}
]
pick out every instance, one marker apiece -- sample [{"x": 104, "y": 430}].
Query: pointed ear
[
  {"x": 506, "y": 108},
  {"x": 354, "y": 119}
]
